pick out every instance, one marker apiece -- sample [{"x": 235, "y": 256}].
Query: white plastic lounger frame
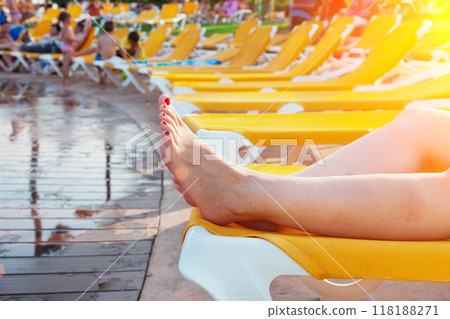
[
  {"x": 236, "y": 268},
  {"x": 20, "y": 60}
]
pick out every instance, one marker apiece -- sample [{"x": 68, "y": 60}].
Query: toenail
[
  {"x": 167, "y": 100},
  {"x": 164, "y": 114},
  {"x": 167, "y": 133},
  {"x": 164, "y": 122}
]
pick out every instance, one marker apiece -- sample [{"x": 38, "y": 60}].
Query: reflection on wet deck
[{"x": 69, "y": 206}]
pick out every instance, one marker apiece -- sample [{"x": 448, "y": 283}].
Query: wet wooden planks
[
  {"x": 46, "y": 257},
  {"x": 73, "y": 215}
]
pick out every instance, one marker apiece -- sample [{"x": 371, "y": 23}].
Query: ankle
[{"x": 250, "y": 204}]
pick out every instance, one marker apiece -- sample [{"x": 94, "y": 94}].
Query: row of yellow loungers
[
  {"x": 256, "y": 257},
  {"x": 207, "y": 258}
]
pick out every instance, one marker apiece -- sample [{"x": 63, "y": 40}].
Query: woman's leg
[
  {"x": 389, "y": 206},
  {"x": 418, "y": 140}
]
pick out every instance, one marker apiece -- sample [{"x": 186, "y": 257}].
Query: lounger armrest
[{"x": 432, "y": 104}]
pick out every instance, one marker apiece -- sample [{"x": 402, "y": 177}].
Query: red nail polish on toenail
[
  {"x": 167, "y": 133},
  {"x": 167, "y": 100},
  {"x": 164, "y": 122},
  {"x": 164, "y": 114}
]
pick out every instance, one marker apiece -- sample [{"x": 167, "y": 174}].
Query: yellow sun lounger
[
  {"x": 156, "y": 40},
  {"x": 213, "y": 40},
  {"x": 190, "y": 8},
  {"x": 54, "y": 59},
  {"x": 188, "y": 26},
  {"x": 331, "y": 40},
  {"x": 291, "y": 101},
  {"x": 247, "y": 54},
  {"x": 49, "y": 15},
  {"x": 256, "y": 131},
  {"x": 256, "y": 258},
  {"x": 187, "y": 44},
  {"x": 184, "y": 48},
  {"x": 377, "y": 63},
  {"x": 297, "y": 41},
  {"x": 170, "y": 13},
  {"x": 14, "y": 59},
  {"x": 144, "y": 17},
  {"x": 75, "y": 10},
  {"x": 151, "y": 46},
  {"x": 41, "y": 29},
  {"x": 378, "y": 28},
  {"x": 232, "y": 41},
  {"x": 437, "y": 38},
  {"x": 242, "y": 33}
]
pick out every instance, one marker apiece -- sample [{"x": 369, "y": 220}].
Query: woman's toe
[
  {"x": 163, "y": 117},
  {"x": 163, "y": 98}
]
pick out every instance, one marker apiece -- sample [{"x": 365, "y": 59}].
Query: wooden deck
[{"x": 73, "y": 216}]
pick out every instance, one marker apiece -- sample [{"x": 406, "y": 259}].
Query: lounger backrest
[
  {"x": 318, "y": 33},
  {"x": 386, "y": 55},
  {"x": 115, "y": 10},
  {"x": 42, "y": 28},
  {"x": 252, "y": 48},
  {"x": 438, "y": 88},
  {"x": 146, "y": 15},
  {"x": 180, "y": 35},
  {"x": 336, "y": 34},
  {"x": 89, "y": 39},
  {"x": 431, "y": 89},
  {"x": 75, "y": 10},
  {"x": 376, "y": 31},
  {"x": 278, "y": 39},
  {"x": 190, "y": 7},
  {"x": 293, "y": 46},
  {"x": 213, "y": 40},
  {"x": 155, "y": 41},
  {"x": 243, "y": 32},
  {"x": 169, "y": 11},
  {"x": 121, "y": 32},
  {"x": 187, "y": 44},
  {"x": 51, "y": 14}
]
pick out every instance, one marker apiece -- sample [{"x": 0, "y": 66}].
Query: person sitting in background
[
  {"x": 3, "y": 15},
  {"x": 106, "y": 49},
  {"x": 230, "y": 7},
  {"x": 139, "y": 7},
  {"x": 150, "y": 6},
  {"x": 132, "y": 46},
  {"x": 49, "y": 43},
  {"x": 54, "y": 34},
  {"x": 6, "y": 41},
  {"x": 94, "y": 8},
  {"x": 218, "y": 7}
]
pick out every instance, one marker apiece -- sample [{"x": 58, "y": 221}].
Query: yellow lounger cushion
[
  {"x": 395, "y": 99},
  {"x": 323, "y": 128},
  {"x": 398, "y": 43},
  {"x": 343, "y": 258}
]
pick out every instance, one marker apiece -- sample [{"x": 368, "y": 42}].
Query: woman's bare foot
[{"x": 222, "y": 193}]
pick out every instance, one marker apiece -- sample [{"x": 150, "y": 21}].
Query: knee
[{"x": 416, "y": 120}]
